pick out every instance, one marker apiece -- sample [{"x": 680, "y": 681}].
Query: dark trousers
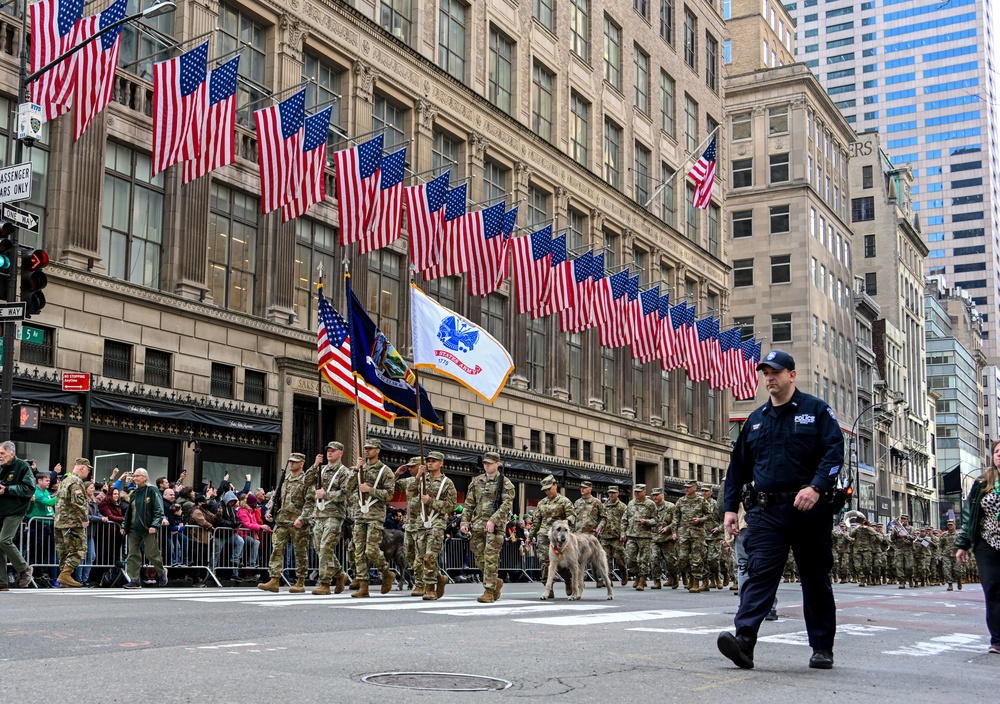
[
  {"x": 988, "y": 560},
  {"x": 769, "y": 534}
]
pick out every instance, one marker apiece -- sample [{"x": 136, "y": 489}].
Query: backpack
[{"x": 113, "y": 578}]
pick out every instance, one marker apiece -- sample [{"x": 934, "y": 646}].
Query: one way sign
[{"x": 21, "y": 218}]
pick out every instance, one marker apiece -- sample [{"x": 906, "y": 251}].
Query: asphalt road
[{"x": 241, "y": 644}]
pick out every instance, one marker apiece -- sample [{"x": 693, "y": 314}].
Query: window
[
  {"x": 781, "y": 269},
  {"x": 579, "y": 27},
  {"x": 451, "y": 38},
  {"x": 619, "y": 457},
  {"x": 609, "y": 455},
  {"x": 536, "y": 439},
  {"x": 781, "y": 327},
  {"x": 394, "y": 17},
  {"x": 742, "y": 223},
  {"x": 501, "y": 70},
  {"x": 742, "y": 173},
  {"x": 727, "y": 51},
  {"x": 638, "y": 389},
  {"x": 324, "y": 90},
  {"x": 612, "y": 53},
  {"x": 542, "y": 10},
  {"x": 574, "y": 368},
  {"x": 742, "y": 272},
  {"x": 574, "y": 449},
  {"x": 609, "y": 381},
  {"x": 815, "y": 330},
  {"x": 612, "y": 154},
  {"x": 779, "y": 167},
  {"x": 542, "y": 83},
  {"x": 746, "y": 326},
  {"x": 222, "y": 380},
  {"x": 866, "y": 177},
  {"x": 390, "y": 119},
  {"x": 668, "y": 197},
  {"x": 550, "y": 444},
  {"x": 538, "y": 205},
  {"x": 642, "y": 7},
  {"x": 494, "y": 180},
  {"x": 862, "y": 209},
  {"x": 579, "y": 129},
  {"x": 777, "y": 120},
  {"x": 780, "y": 219},
  {"x": 711, "y": 61},
  {"x": 255, "y": 387},
  {"x": 458, "y": 426},
  {"x": 493, "y": 316},
  {"x": 641, "y": 186},
  {"x": 690, "y": 123},
  {"x": 535, "y": 367},
  {"x": 314, "y": 246},
  {"x": 713, "y": 229},
  {"x": 384, "y": 288},
  {"x": 238, "y": 31},
  {"x": 132, "y": 217},
  {"x": 444, "y": 153},
  {"x": 117, "y": 360},
  {"x": 742, "y": 126},
  {"x": 232, "y": 248},
  {"x": 869, "y": 246},
  {"x": 668, "y": 123},
  {"x": 444, "y": 290},
  {"x": 692, "y": 215},
  {"x": 690, "y": 39},
  {"x": 667, "y": 21},
  {"x": 156, "y": 370},
  {"x": 640, "y": 79},
  {"x": 871, "y": 283},
  {"x": 507, "y": 435}
]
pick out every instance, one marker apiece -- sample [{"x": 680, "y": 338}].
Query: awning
[
  {"x": 65, "y": 398},
  {"x": 153, "y": 410}
]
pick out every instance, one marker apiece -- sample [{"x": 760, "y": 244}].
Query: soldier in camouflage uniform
[
  {"x": 554, "y": 507},
  {"x": 841, "y": 557},
  {"x": 637, "y": 529},
  {"x": 484, "y": 518},
  {"x": 864, "y": 542},
  {"x": 439, "y": 499},
  {"x": 414, "y": 527},
  {"x": 691, "y": 517},
  {"x": 326, "y": 507},
  {"x": 370, "y": 487},
  {"x": 71, "y": 521},
  {"x": 902, "y": 538},
  {"x": 880, "y": 556},
  {"x": 588, "y": 510},
  {"x": 609, "y": 532},
  {"x": 952, "y": 570},
  {"x": 713, "y": 541},
  {"x": 663, "y": 539},
  {"x": 289, "y": 527}
]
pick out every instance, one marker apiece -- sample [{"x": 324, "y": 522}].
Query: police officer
[{"x": 792, "y": 449}]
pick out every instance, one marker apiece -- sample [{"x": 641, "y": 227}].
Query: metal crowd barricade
[
  {"x": 511, "y": 565},
  {"x": 460, "y": 565},
  {"x": 38, "y": 545}
]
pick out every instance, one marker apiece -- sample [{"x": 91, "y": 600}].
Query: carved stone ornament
[
  {"x": 628, "y": 237},
  {"x": 798, "y": 104},
  {"x": 758, "y": 110},
  {"x": 522, "y": 173},
  {"x": 479, "y": 146},
  {"x": 779, "y": 143},
  {"x": 597, "y": 218},
  {"x": 425, "y": 113},
  {"x": 294, "y": 32},
  {"x": 741, "y": 150},
  {"x": 366, "y": 76}
]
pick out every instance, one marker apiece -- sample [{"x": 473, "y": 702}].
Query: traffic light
[
  {"x": 6, "y": 257},
  {"x": 33, "y": 280}
]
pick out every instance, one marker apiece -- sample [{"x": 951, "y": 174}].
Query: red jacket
[
  {"x": 250, "y": 522},
  {"x": 113, "y": 512}
]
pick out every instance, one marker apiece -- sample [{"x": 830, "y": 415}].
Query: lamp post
[
  {"x": 853, "y": 454},
  {"x": 9, "y": 326}
]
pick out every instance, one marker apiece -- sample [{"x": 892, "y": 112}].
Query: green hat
[
  {"x": 296, "y": 457},
  {"x": 435, "y": 455},
  {"x": 691, "y": 482},
  {"x": 548, "y": 482},
  {"x": 613, "y": 489},
  {"x": 81, "y": 461},
  {"x": 335, "y": 445},
  {"x": 491, "y": 457},
  {"x": 586, "y": 485},
  {"x": 904, "y": 515},
  {"x": 415, "y": 461},
  {"x": 639, "y": 487},
  {"x": 951, "y": 522},
  {"x": 458, "y": 509},
  {"x": 657, "y": 491},
  {"x": 373, "y": 442}
]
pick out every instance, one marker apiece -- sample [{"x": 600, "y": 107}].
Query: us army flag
[{"x": 454, "y": 346}]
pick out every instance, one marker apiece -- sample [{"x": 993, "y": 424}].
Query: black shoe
[
  {"x": 24, "y": 579},
  {"x": 739, "y": 649},
  {"x": 821, "y": 659},
  {"x": 772, "y": 615}
]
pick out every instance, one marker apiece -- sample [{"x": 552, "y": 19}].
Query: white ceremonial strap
[
  {"x": 434, "y": 514},
  {"x": 370, "y": 501}
]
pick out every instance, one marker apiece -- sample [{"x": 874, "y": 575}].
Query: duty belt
[{"x": 775, "y": 498}]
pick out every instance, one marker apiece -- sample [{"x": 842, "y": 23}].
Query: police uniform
[{"x": 783, "y": 449}]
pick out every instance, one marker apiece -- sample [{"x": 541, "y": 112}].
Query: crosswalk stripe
[
  {"x": 619, "y": 617},
  {"x": 418, "y": 604},
  {"x": 517, "y": 610},
  {"x": 259, "y": 598}
]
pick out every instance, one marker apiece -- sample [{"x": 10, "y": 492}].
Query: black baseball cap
[{"x": 777, "y": 359}]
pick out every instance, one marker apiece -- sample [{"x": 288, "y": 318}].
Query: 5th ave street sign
[
  {"x": 15, "y": 182},
  {"x": 21, "y": 218}
]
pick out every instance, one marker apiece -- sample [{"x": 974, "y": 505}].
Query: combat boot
[
  {"x": 341, "y": 583},
  {"x": 322, "y": 589},
  {"x": 487, "y": 596},
  {"x": 959, "y": 585},
  {"x": 722, "y": 581},
  {"x": 640, "y": 584},
  {"x": 902, "y": 584},
  {"x": 706, "y": 585},
  {"x": 273, "y": 585},
  {"x": 499, "y": 587},
  {"x": 442, "y": 583},
  {"x": 430, "y": 595},
  {"x": 418, "y": 590},
  {"x": 624, "y": 576},
  {"x": 387, "y": 579},
  {"x": 355, "y": 583},
  {"x": 693, "y": 586},
  {"x": 950, "y": 588},
  {"x": 362, "y": 590},
  {"x": 299, "y": 587},
  {"x": 674, "y": 582},
  {"x": 657, "y": 584},
  {"x": 65, "y": 579},
  {"x": 712, "y": 584}
]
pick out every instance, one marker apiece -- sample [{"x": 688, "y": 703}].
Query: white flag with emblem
[{"x": 458, "y": 348}]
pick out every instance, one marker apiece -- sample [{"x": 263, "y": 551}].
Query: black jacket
[
  {"x": 969, "y": 534},
  {"x": 20, "y": 482}
]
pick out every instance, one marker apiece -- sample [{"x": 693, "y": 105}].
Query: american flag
[
  {"x": 509, "y": 223},
  {"x": 702, "y": 349},
  {"x": 746, "y": 388},
  {"x": 732, "y": 356},
  {"x": 95, "y": 65},
  {"x": 217, "y": 142},
  {"x": 682, "y": 320},
  {"x": 452, "y": 258},
  {"x": 386, "y": 221},
  {"x": 610, "y": 297},
  {"x": 581, "y": 316},
  {"x": 719, "y": 374},
  {"x": 179, "y": 92},
  {"x": 562, "y": 287},
  {"x": 53, "y": 25},
  {"x": 666, "y": 344},
  {"x": 280, "y": 132},
  {"x": 703, "y": 175},
  {"x": 334, "y": 347},
  {"x": 424, "y": 216},
  {"x": 532, "y": 254},
  {"x": 485, "y": 244},
  {"x": 646, "y": 327},
  {"x": 311, "y": 185},
  {"x": 357, "y": 183}
]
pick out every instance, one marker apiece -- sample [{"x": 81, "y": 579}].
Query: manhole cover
[{"x": 443, "y": 681}]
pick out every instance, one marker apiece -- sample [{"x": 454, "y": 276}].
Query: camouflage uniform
[
  {"x": 478, "y": 512},
  {"x": 864, "y": 542},
  {"x": 72, "y": 518},
  {"x": 328, "y": 521},
  {"x": 951, "y": 569},
  {"x": 588, "y": 514},
  {"x": 691, "y": 545},
  {"x": 839, "y": 569},
  {"x": 663, "y": 546},
  {"x": 610, "y": 531},
  {"x": 369, "y": 526},
  {"x": 903, "y": 545},
  {"x": 414, "y": 526},
  {"x": 294, "y": 490},
  {"x": 637, "y": 527},
  {"x": 546, "y": 513},
  {"x": 880, "y": 555},
  {"x": 713, "y": 543},
  {"x": 430, "y": 541}
]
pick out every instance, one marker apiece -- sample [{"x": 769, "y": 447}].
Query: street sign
[
  {"x": 15, "y": 182},
  {"x": 35, "y": 336},
  {"x": 21, "y": 218},
  {"x": 29, "y": 121},
  {"x": 12, "y": 311},
  {"x": 74, "y": 381}
]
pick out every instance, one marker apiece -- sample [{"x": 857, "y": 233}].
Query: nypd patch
[
  {"x": 834, "y": 471},
  {"x": 832, "y": 414}
]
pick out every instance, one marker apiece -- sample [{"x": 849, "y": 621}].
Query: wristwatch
[{"x": 816, "y": 489}]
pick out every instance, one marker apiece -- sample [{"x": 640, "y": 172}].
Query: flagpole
[
  {"x": 357, "y": 416},
  {"x": 696, "y": 154},
  {"x": 319, "y": 394}
]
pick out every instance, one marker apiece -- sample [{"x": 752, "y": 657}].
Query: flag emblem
[{"x": 457, "y": 335}]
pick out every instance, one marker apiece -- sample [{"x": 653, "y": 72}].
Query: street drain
[{"x": 441, "y": 681}]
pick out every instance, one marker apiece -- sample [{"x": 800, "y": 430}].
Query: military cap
[
  {"x": 548, "y": 481},
  {"x": 491, "y": 457},
  {"x": 415, "y": 461},
  {"x": 435, "y": 455},
  {"x": 639, "y": 487},
  {"x": 335, "y": 445},
  {"x": 373, "y": 442},
  {"x": 296, "y": 457},
  {"x": 81, "y": 461},
  {"x": 588, "y": 485},
  {"x": 950, "y": 522},
  {"x": 657, "y": 491},
  {"x": 692, "y": 482},
  {"x": 904, "y": 515},
  {"x": 612, "y": 489}
]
